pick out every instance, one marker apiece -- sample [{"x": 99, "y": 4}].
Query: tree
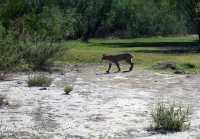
[
  {"x": 191, "y": 8},
  {"x": 75, "y": 19},
  {"x": 92, "y": 14},
  {"x": 197, "y": 17}
]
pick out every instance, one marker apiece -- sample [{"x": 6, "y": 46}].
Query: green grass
[
  {"x": 39, "y": 81},
  {"x": 170, "y": 118},
  {"x": 148, "y": 51}
]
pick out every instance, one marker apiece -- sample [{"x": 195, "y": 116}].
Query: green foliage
[
  {"x": 177, "y": 68},
  {"x": 47, "y": 25},
  {"x": 2, "y": 31},
  {"x": 58, "y": 20},
  {"x": 172, "y": 118},
  {"x": 1, "y": 137},
  {"x": 3, "y": 101},
  {"x": 32, "y": 22},
  {"x": 34, "y": 57},
  {"x": 92, "y": 15},
  {"x": 9, "y": 53},
  {"x": 40, "y": 57},
  {"x": 39, "y": 81},
  {"x": 31, "y": 57},
  {"x": 9, "y": 57},
  {"x": 183, "y": 68},
  {"x": 146, "y": 18},
  {"x": 68, "y": 89},
  {"x": 191, "y": 10},
  {"x": 188, "y": 65}
]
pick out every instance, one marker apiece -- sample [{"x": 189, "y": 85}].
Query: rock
[
  {"x": 166, "y": 65},
  {"x": 62, "y": 73},
  {"x": 179, "y": 72},
  {"x": 19, "y": 82},
  {"x": 188, "y": 76},
  {"x": 6, "y": 103},
  {"x": 44, "y": 88}
]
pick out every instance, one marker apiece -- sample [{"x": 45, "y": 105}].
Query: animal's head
[{"x": 103, "y": 57}]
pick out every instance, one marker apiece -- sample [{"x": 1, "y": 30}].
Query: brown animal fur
[{"x": 127, "y": 57}]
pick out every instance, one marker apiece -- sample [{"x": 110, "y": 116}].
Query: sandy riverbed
[{"x": 116, "y": 105}]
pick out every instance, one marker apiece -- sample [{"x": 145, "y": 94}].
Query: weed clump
[
  {"x": 170, "y": 118},
  {"x": 177, "y": 68},
  {"x": 68, "y": 89},
  {"x": 188, "y": 65},
  {"x": 39, "y": 81},
  {"x": 185, "y": 68},
  {"x": 3, "y": 100}
]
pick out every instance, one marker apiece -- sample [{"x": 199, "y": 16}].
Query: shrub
[
  {"x": 39, "y": 81},
  {"x": 3, "y": 101},
  {"x": 9, "y": 59},
  {"x": 68, "y": 89},
  {"x": 189, "y": 65},
  {"x": 39, "y": 56},
  {"x": 170, "y": 118},
  {"x": 185, "y": 68}
]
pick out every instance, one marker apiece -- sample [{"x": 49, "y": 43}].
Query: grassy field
[{"x": 148, "y": 51}]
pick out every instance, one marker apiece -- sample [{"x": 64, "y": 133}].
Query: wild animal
[{"x": 127, "y": 57}]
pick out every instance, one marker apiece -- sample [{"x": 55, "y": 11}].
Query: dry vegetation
[
  {"x": 170, "y": 118},
  {"x": 39, "y": 81}
]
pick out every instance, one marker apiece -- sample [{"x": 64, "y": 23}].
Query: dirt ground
[{"x": 116, "y": 105}]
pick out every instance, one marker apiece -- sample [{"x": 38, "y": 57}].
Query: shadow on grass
[
  {"x": 150, "y": 44},
  {"x": 171, "y": 50},
  {"x": 156, "y": 47}
]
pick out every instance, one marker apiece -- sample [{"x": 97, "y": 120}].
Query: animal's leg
[
  {"x": 129, "y": 61},
  {"x": 110, "y": 64},
  {"x": 117, "y": 64}
]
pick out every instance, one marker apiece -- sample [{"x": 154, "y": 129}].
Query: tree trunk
[
  {"x": 86, "y": 36},
  {"x": 199, "y": 36},
  {"x": 198, "y": 30},
  {"x": 91, "y": 30}
]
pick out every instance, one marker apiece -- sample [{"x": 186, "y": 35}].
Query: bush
[
  {"x": 9, "y": 59},
  {"x": 68, "y": 89},
  {"x": 170, "y": 118},
  {"x": 3, "y": 101},
  {"x": 39, "y": 81},
  {"x": 31, "y": 57},
  {"x": 39, "y": 56},
  {"x": 188, "y": 66}
]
